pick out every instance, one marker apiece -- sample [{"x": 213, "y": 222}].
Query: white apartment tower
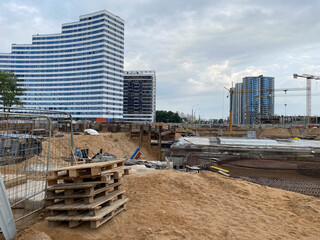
[{"x": 79, "y": 70}]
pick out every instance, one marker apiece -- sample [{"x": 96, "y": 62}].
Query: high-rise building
[
  {"x": 253, "y": 99},
  {"x": 139, "y": 96},
  {"x": 79, "y": 70},
  {"x": 257, "y": 98}
]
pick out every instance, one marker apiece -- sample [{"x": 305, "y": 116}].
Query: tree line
[{"x": 168, "y": 117}]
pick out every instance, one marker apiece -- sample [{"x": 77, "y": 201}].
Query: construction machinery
[{"x": 308, "y": 78}]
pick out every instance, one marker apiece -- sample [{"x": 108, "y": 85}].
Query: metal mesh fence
[
  {"x": 62, "y": 134},
  {"x": 32, "y": 142}
]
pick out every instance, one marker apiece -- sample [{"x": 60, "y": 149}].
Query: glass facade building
[
  {"x": 139, "y": 96},
  {"x": 79, "y": 70},
  {"x": 253, "y": 99}
]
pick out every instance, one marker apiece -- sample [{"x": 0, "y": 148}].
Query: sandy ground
[
  {"x": 118, "y": 144},
  {"x": 176, "y": 205},
  {"x": 279, "y": 132}
]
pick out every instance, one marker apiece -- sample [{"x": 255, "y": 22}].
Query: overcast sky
[{"x": 196, "y": 47}]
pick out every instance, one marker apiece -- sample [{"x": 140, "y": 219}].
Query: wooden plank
[
  {"x": 86, "y": 217},
  {"x": 82, "y": 179},
  {"x": 110, "y": 172},
  {"x": 73, "y": 186},
  {"x": 82, "y": 206},
  {"x": 93, "y": 169},
  {"x": 116, "y": 170},
  {"x": 90, "y": 165},
  {"x": 92, "y": 212},
  {"x": 96, "y": 224},
  {"x": 100, "y": 190}
]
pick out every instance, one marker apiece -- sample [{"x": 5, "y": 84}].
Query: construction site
[{"x": 68, "y": 180}]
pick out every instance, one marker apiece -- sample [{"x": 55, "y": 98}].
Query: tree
[
  {"x": 9, "y": 90},
  {"x": 168, "y": 117}
]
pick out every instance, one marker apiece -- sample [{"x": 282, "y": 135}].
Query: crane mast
[{"x": 308, "y": 78}]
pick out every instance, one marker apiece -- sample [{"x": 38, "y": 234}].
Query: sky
[{"x": 196, "y": 47}]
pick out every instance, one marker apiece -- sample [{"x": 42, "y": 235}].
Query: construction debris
[
  {"x": 104, "y": 156},
  {"x": 86, "y": 193},
  {"x": 18, "y": 146}
]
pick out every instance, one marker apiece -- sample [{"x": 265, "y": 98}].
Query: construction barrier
[{"x": 31, "y": 143}]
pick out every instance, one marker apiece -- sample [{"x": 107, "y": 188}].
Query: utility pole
[{"x": 231, "y": 91}]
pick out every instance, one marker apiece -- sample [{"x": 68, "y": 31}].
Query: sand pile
[
  {"x": 311, "y": 131},
  {"x": 118, "y": 144},
  {"x": 176, "y": 205},
  {"x": 164, "y": 125},
  {"x": 275, "y": 132}
]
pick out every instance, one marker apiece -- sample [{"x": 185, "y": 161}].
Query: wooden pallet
[
  {"x": 109, "y": 176},
  {"x": 74, "y": 189},
  {"x": 117, "y": 172},
  {"x": 70, "y": 196},
  {"x": 82, "y": 179},
  {"x": 80, "y": 207},
  {"x": 101, "y": 216},
  {"x": 93, "y": 169}
]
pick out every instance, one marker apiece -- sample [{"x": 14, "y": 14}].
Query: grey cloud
[{"x": 187, "y": 42}]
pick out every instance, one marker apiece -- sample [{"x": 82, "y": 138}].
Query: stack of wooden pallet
[{"x": 86, "y": 193}]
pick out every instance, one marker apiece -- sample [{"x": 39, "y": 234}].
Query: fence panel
[
  {"x": 62, "y": 134},
  {"x": 24, "y": 159},
  {"x": 31, "y": 143}
]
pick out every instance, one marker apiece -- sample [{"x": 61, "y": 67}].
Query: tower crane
[{"x": 308, "y": 78}]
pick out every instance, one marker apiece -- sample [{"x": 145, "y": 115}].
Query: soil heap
[
  {"x": 177, "y": 205},
  {"x": 118, "y": 144}
]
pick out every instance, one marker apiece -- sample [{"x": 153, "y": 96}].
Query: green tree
[
  {"x": 168, "y": 117},
  {"x": 9, "y": 90}
]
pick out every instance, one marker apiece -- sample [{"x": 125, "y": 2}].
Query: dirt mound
[
  {"x": 177, "y": 135},
  {"x": 276, "y": 132},
  {"x": 164, "y": 125},
  {"x": 176, "y": 205},
  {"x": 118, "y": 144},
  {"x": 311, "y": 131}
]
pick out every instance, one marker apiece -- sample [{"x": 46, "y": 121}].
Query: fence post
[
  {"x": 159, "y": 141},
  {"x": 149, "y": 137},
  {"x": 141, "y": 136}
]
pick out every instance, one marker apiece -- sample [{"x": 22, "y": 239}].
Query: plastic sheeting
[
  {"x": 245, "y": 142},
  {"x": 91, "y": 132}
]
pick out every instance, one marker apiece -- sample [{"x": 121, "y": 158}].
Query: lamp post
[{"x": 198, "y": 109}]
